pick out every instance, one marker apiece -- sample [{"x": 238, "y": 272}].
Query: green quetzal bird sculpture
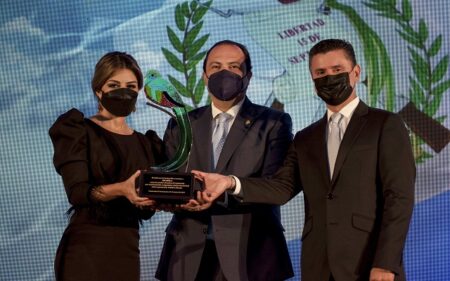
[{"x": 160, "y": 93}]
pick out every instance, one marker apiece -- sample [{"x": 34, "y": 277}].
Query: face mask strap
[{"x": 353, "y": 87}]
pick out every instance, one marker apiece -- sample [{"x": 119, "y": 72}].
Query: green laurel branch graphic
[
  {"x": 188, "y": 45},
  {"x": 427, "y": 84}
]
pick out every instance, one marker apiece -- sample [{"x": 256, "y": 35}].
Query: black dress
[{"x": 101, "y": 241}]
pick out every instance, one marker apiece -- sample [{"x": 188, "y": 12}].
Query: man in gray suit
[
  {"x": 230, "y": 240},
  {"x": 356, "y": 169}
]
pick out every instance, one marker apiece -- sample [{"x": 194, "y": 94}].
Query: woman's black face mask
[{"x": 119, "y": 102}]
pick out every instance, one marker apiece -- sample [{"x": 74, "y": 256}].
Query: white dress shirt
[
  {"x": 233, "y": 111},
  {"x": 347, "y": 112}
]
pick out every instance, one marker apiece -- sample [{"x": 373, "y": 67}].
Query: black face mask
[
  {"x": 334, "y": 89},
  {"x": 226, "y": 85},
  {"x": 119, "y": 102}
]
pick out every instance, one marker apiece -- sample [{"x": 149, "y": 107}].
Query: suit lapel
[
  {"x": 355, "y": 126},
  {"x": 319, "y": 143},
  {"x": 202, "y": 146},
  {"x": 241, "y": 125}
]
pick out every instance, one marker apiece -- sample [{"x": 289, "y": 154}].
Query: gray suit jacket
[
  {"x": 249, "y": 237},
  {"x": 359, "y": 219}
]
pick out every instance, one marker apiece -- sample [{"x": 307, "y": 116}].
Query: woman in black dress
[{"x": 99, "y": 159}]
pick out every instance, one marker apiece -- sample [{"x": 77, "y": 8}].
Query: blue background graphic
[{"x": 48, "y": 53}]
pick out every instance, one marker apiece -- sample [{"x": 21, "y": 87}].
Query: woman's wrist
[
  {"x": 106, "y": 192},
  {"x": 95, "y": 193}
]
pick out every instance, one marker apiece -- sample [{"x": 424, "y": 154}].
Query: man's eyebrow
[{"x": 236, "y": 62}]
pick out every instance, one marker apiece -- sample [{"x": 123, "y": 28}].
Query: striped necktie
[{"x": 220, "y": 133}]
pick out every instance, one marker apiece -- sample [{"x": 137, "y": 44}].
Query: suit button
[
  {"x": 205, "y": 230},
  {"x": 330, "y": 196}
]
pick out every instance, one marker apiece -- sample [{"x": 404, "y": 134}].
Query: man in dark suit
[
  {"x": 356, "y": 170},
  {"x": 229, "y": 241}
]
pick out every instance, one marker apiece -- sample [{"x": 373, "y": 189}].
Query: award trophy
[{"x": 161, "y": 183}]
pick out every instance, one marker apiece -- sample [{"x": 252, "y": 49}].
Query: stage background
[{"x": 47, "y": 57}]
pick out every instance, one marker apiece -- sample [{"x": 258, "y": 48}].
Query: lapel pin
[{"x": 247, "y": 123}]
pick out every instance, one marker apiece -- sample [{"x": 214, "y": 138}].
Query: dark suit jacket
[
  {"x": 360, "y": 218},
  {"x": 249, "y": 238}
]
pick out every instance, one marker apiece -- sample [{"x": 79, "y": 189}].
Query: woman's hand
[
  {"x": 126, "y": 188},
  {"x": 130, "y": 192}
]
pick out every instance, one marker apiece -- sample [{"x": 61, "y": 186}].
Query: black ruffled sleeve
[{"x": 69, "y": 138}]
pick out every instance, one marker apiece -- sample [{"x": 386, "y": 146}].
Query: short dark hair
[
  {"x": 247, "y": 61},
  {"x": 109, "y": 64},
  {"x": 328, "y": 45}
]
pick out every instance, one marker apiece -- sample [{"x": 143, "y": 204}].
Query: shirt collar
[
  {"x": 233, "y": 111},
  {"x": 346, "y": 111}
]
